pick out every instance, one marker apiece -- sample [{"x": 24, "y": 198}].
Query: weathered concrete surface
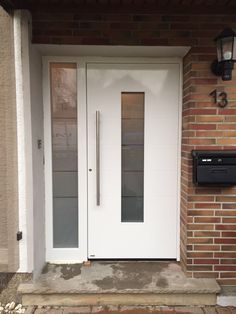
[
  {"x": 118, "y": 277},
  {"x": 227, "y": 297},
  {"x": 76, "y": 299},
  {"x": 125, "y": 283}
]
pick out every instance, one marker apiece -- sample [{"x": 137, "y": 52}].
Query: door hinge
[{"x": 19, "y": 236}]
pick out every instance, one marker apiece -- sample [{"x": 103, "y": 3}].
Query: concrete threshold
[
  {"x": 227, "y": 296},
  {"x": 112, "y": 283}
]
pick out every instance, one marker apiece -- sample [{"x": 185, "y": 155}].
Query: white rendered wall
[
  {"x": 24, "y": 140},
  {"x": 29, "y": 104},
  {"x": 38, "y": 155}
]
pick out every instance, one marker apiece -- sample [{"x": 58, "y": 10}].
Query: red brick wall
[
  {"x": 208, "y": 215},
  {"x": 127, "y": 29}
]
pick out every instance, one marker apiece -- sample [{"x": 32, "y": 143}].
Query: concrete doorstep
[
  {"x": 124, "y": 283},
  {"x": 130, "y": 310}
]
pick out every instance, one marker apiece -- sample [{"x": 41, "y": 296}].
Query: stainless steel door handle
[{"x": 98, "y": 157}]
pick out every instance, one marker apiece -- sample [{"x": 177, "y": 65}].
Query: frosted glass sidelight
[
  {"x": 64, "y": 154},
  {"x": 132, "y": 134},
  {"x": 65, "y": 222},
  {"x": 65, "y": 184}
]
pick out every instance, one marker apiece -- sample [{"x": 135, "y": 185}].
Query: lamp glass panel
[
  {"x": 219, "y": 50},
  {"x": 234, "y": 50},
  {"x": 227, "y": 48}
]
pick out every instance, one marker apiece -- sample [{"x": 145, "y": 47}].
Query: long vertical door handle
[{"x": 98, "y": 157}]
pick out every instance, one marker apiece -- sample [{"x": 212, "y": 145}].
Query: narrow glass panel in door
[{"x": 132, "y": 115}]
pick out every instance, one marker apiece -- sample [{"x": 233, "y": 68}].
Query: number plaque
[{"x": 220, "y": 98}]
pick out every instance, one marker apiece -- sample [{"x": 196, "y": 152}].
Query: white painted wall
[
  {"x": 24, "y": 139},
  {"x": 29, "y": 104},
  {"x": 38, "y": 155}
]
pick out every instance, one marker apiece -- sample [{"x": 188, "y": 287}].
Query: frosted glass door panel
[
  {"x": 65, "y": 144},
  {"x": 132, "y": 158},
  {"x": 132, "y": 209},
  {"x": 64, "y": 90},
  {"x": 65, "y": 184},
  {"x": 64, "y": 213},
  {"x": 132, "y": 105},
  {"x": 64, "y": 154},
  {"x": 132, "y": 131},
  {"x": 64, "y": 161},
  {"x": 132, "y": 184}
]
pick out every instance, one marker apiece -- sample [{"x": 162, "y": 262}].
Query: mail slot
[{"x": 214, "y": 167}]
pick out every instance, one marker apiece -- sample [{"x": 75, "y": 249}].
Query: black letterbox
[{"x": 214, "y": 167}]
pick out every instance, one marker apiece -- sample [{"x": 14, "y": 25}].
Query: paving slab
[
  {"x": 209, "y": 310},
  {"x": 77, "y": 310},
  {"x": 48, "y": 311},
  {"x": 189, "y": 309}
]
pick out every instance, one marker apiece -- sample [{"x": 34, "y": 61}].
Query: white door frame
[{"x": 80, "y": 254}]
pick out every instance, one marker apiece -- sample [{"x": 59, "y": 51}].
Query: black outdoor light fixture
[{"x": 226, "y": 54}]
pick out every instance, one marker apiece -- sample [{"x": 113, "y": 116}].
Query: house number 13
[{"x": 220, "y": 98}]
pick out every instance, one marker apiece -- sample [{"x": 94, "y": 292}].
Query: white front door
[{"x": 133, "y": 138}]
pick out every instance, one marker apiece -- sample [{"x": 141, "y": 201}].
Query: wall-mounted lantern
[{"x": 226, "y": 54}]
